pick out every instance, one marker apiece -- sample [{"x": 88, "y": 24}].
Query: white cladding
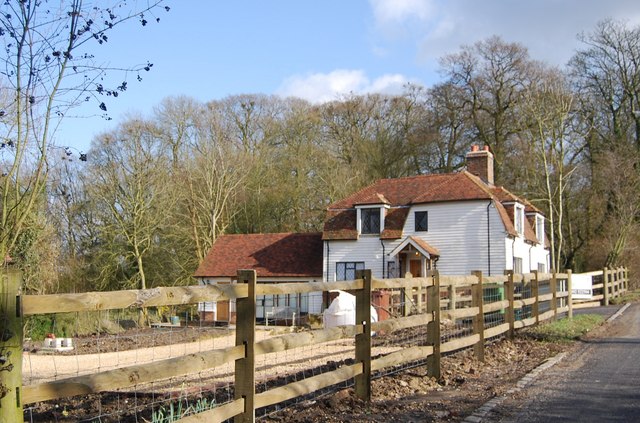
[
  {"x": 469, "y": 235},
  {"x": 534, "y": 257}
]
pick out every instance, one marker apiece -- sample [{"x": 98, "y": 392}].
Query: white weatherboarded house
[{"x": 457, "y": 223}]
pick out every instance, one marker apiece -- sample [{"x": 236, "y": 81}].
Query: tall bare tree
[
  {"x": 48, "y": 68},
  {"x": 491, "y": 75},
  {"x": 606, "y": 73},
  {"x": 131, "y": 187},
  {"x": 547, "y": 112}
]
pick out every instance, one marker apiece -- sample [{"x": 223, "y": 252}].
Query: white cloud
[
  {"x": 547, "y": 27},
  {"x": 398, "y": 11},
  {"x": 434, "y": 28},
  {"x": 323, "y": 87}
]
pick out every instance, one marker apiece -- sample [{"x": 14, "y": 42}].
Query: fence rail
[{"x": 456, "y": 312}]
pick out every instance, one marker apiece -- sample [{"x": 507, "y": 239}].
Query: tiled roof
[
  {"x": 270, "y": 255},
  {"x": 401, "y": 193},
  {"x": 503, "y": 195},
  {"x": 374, "y": 198},
  {"x": 340, "y": 224},
  {"x": 416, "y": 190},
  {"x": 394, "y": 222},
  {"x": 433, "y": 251}
]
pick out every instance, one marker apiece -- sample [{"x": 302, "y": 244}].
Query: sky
[{"x": 318, "y": 50}]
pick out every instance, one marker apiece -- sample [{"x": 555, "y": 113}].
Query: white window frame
[
  {"x": 517, "y": 265},
  {"x": 540, "y": 228},
  {"x": 518, "y": 218}
]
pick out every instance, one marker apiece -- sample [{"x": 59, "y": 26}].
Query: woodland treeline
[{"x": 145, "y": 204}]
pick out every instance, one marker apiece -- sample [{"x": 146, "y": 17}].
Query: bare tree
[
  {"x": 491, "y": 75},
  {"x": 47, "y": 73},
  {"x": 547, "y": 113},
  {"x": 606, "y": 73},
  {"x": 215, "y": 177},
  {"x": 131, "y": 186}
]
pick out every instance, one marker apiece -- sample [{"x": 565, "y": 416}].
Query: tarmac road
[{"x": 598, "y": 382}]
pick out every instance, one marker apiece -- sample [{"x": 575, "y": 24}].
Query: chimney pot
[
  {"x": 486, "y": 148},
  {"x": 474, "y": 148}
]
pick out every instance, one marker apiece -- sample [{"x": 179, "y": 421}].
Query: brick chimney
[{"x": 480, "y": 163}]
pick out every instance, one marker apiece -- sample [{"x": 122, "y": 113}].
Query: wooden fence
[{"x": 491, "y": 306}]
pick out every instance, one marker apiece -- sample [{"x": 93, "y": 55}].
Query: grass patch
[
  {"x": 627, "y": 297},
  {"x": 565, "y": 330}
]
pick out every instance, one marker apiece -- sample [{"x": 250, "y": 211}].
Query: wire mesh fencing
[{"x": 169, "y": 370}]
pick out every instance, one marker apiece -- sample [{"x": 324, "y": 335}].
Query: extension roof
[
  {"x": 399, "y": 194},
  {"x": 270, "y": 255}
]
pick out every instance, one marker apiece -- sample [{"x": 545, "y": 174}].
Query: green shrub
[
  {"x": 37, "y": 327},
  {"x": 68, "y": 325}
]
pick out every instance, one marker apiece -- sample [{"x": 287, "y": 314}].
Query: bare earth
[{"x": 410, "y": 396}]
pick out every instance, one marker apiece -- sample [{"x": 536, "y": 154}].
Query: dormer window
[
  {"x": 540, "y": 229},
  {"x": 370, "y": 221},
  {"x": 518, "y": 219}
]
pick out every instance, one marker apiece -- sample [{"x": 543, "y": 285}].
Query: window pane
[
  {"x": 540, "y": 229},
  {"x": 340, "y": 271},
  {"x": 519, "y": 220},
  {"x": 422, "y": 221},
  {"x": 370, "y": 219},
  {"x": 517, "y": 265},
  {"x": 346, "y": 271}
]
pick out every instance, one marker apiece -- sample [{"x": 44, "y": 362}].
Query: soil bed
[
  {"x": 409, "y": 396},
  {"x": 412, "y": 396}
]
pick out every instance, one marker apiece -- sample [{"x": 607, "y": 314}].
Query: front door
[
  {"x": 415, "y": 267},
  {"x": 222, "y": 311}
]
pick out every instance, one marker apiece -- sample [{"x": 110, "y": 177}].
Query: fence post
[
  {"x": 419, "y": 302},
  {"x": 433, "y": 327},
  {"x": 605, "y": 286},
  {"x": 569, "y": 295},
  {"x": 11, "y": 348},
  {"x": 554, "y": 295},
  {"x": 453, "y": 296},
  {"x": 245, "y": 375},
  {"x": 535, "y": 292},
  {"x": 363, "y": 340},
  {"x": 477, "y": 300},
  {"x": 511, "y": 312},
  {"x": 404, "y": 297},
  {"x": 626, "y": 278}
]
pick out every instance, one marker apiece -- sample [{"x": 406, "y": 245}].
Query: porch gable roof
[{"x": 419, "y": 244}]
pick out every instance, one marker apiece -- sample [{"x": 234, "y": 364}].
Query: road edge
[{"x": 488, "y": 406}]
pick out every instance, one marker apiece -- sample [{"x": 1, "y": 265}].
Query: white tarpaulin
[{"x": 342, "y": 311}]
